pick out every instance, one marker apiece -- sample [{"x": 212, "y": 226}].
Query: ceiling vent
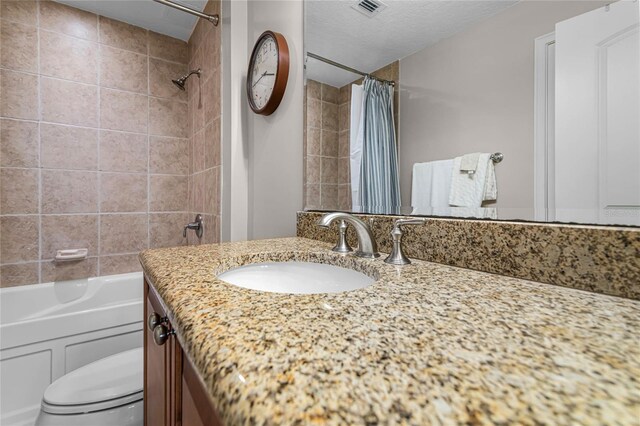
[{"x": 369, "y": 8}]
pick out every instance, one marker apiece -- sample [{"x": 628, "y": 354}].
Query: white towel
[
  {"x": 431, "y": 183},
  {"x": 475, "y": 212},
  {"x": 469, "y": 162},
  {"x": 470, "y": 190},
  {"x": 356, "y": 135}
]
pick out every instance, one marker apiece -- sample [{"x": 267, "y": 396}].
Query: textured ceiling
[
  {"x": 335, "y": 31},
  {"x": 146, "y": 14}
]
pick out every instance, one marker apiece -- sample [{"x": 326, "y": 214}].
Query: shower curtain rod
[
  {"x": 214, "y": 19},
  {"x": 346, "y": 68}
]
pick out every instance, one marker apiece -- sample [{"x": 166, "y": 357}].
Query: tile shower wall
[
  {"x": 327, "y": 170},
  {"x": 94, "y": 142},
  {"x": 204, "y": 125},
  {"x": 321, "y": 145}
]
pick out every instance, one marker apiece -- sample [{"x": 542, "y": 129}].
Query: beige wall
[
  {"x": 94, "y": 142},
  {"x": 274, "y": 143},
  {"x": 474, "y": 92},
  {"x": 204, "y": 130}
]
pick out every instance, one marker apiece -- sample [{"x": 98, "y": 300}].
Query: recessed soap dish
[{"x": 71, "y": 254}]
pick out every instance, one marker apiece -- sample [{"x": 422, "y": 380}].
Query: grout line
[
  {"x": 99, "y": 109},
  {"x": 98, "y": 41},
  {"x": 26, "y": 262},
  {"x": 100, "y": 128},
  {"x": 77, "y": 126},
  {"x": 25, "y": 120},
  {"x": 114, "y": 172},
  {"x": 97, "y": 85},
  {"x": 148, "y": 146},
  {"x": 50, "y": 259},
  {"x": 105, "y": 213},
  {"x": 39, "y": 144}
]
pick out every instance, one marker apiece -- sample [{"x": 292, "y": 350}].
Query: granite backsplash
[{"x": 600, "y": 259}]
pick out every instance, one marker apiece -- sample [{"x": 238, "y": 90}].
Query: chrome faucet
[
  {"x": 397, "y": 256},
  {"x": 367, "y": 246},
  {"x": 197, "y": 225}
]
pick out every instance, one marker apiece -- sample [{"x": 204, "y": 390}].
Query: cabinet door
[
  {"x": 190, "y": 415},
  {"x": 196, "y": 407},
  {"x": 156, "y": 372},
  {"x": 173, "y": 393}
]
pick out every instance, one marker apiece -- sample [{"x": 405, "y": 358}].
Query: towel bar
[{"x": 497, "y": 157}]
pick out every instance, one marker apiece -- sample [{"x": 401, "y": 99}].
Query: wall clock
[{"x": 268, "y": 73}]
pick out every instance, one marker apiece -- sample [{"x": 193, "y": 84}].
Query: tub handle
[
  {"x": 155, "y": 320},
  {"x": 161, "y": 334}
]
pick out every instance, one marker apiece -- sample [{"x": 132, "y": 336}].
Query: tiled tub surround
[
  {"x": 323, "y": 176},
  {"x": 94, "y": 142},
  {"x": 425, "y": 344},
  {"x": 204, "y": 120},
  {"x": 593, "y": 258}
]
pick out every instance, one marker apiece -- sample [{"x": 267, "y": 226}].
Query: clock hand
[
  {"x": 258, "y": 80},
  {"x": 263, "y": 75}
]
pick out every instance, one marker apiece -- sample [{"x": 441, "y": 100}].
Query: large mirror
[{"x": 525, "y": 110}]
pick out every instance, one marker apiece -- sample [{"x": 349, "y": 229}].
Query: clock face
[
  {"x": 263, "y": 72},
  {"x": 268, "y": 73}
]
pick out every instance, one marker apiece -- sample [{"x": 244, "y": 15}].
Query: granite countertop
[{"x": 425, "y": 344}]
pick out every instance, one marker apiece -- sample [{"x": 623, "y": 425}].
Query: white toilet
[{"x": 105, "y": 392}]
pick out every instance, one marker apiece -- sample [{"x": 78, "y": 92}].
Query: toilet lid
[{"x": 111, "y": 378}]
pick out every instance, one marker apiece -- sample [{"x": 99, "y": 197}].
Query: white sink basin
[{"x": 296, "y": 278}]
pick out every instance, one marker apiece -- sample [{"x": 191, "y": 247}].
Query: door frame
[{"x": 544, "y": 130}]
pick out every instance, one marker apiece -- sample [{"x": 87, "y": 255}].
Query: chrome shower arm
[
  {"x": 180, "y": 82},
  {"x": 198, "y": 72},
  {"x": 214, "y": 19}
]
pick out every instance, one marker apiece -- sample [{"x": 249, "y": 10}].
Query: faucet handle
[
  {"x": 342, "y": 246},
  {"x": 197, "y": 225},
  {"x": 397, "y": 256},
  {"x": 413, "y": 221}
]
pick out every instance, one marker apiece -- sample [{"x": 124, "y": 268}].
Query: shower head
[
  {"x": 182, "y": 80},
  {"x": 179, "y": 82}
]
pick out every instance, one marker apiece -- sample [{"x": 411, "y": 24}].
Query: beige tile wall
[
  {"x": 94, "y": 142},
  {"x": 321, "y": 145},
  {"x": 204, "y": 125}
]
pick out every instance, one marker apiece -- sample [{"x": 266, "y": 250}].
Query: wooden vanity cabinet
[{"x": 173, "y": 393}]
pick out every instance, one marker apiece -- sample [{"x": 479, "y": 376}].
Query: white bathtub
[{"x": 47, "y": 330}]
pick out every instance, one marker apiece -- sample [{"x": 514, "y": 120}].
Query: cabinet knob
[
  {"x": 155, "y": 320},
  {"x": 161, "y": 334}
]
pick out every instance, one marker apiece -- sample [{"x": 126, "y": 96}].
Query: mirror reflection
[{"x": 525, "y": 110}]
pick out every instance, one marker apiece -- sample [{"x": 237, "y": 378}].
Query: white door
[{"x": 597, "y": 138}]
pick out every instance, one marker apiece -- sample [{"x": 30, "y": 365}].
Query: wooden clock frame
[{"x": 282, "y": 73}]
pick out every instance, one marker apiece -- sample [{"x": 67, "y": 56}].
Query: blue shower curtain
[{"x": 379, "y": 182}]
